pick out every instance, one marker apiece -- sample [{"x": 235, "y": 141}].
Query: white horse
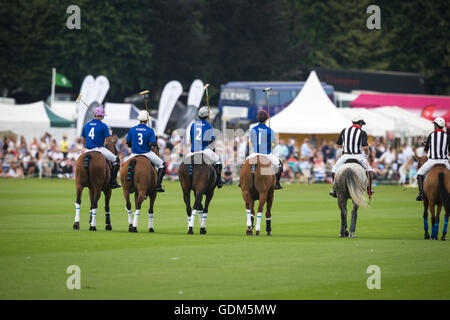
[{"x": 350, "y": 183}]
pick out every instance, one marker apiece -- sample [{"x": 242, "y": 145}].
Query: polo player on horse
[
  {"x": 202, "y": 135},
  {"x": 354, "y": 144},
  {"x": 141, "y": 139},
  {"x": 94, "y": 134},
  {"x": 437, "y": 148},
  {"x": 263, "y": 139}
]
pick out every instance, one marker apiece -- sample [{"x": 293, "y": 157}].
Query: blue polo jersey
[
  {"x": 262, "y": 138},
  {"x": 95, "y": 132},
  {"x": 141, "y": 137},
  {"x": 202, "y": 132}
]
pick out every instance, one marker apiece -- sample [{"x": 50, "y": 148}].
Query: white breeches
[
  {"x": 211, "y": 155},
  {"x": 105, "y": 152},
  {"x": 152, "y": 157},
  {"x": 359, "y": 157},
  {"x": 273, "y": 159},
  {"x": 430, "y": 163}
]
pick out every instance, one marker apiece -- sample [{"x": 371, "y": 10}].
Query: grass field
[{"x": 304, "y": 259}]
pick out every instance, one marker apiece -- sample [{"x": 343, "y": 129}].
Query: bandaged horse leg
[
  {"x": 444, "y": 231},
  {"x": 192, "y": 221},
  {"x": 353, "y": 222},
  {"x": 425, "y": 219},
  {"x": 258, "y": 222},
  {"x": 136, "y": 218},
  {"x": 130, "y": 217}
]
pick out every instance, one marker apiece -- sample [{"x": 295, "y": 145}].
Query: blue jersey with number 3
[
  {"x": 95, "y": 133},
  {"x": 202, "y": 132},
  {"x": 141, "y": 136}
]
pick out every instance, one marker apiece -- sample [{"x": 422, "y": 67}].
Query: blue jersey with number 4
[
  {"x": 262, "y": 138},
  {"x": 202, "y": 132},
  {"x": 141, "y": 137},
  {"x": 95, "y": 133}
]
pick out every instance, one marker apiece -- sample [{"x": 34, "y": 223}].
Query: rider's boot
[
  {"x": 219, "y": 180},
  {"x": 333, "y": 191},
  {"x": 278, "y": 186},
  {"x": 420, "y": 195},
  {"x": 115, "y": 167},
  {"x": 161, "y": 173}
]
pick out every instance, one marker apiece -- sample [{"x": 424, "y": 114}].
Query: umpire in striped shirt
[
  {"x": 353, "y": 141},
  {"x": 437, "y": 148}
]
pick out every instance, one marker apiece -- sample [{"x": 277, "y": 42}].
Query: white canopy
[
  {"x": 310, "y": 112},
  {"x": 377, "y": 124},
  {"x": 121, "y": 115},
  {"x": 65, "y": 109},
  {"x": 33, "y": 120}
]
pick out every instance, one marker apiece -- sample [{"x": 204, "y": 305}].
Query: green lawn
[{"x": 304, "y": 259}]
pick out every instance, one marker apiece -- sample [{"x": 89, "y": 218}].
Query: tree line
[{"x": 143, "y": 44}]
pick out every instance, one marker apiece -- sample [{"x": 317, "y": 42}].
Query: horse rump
[
  {"x": 443, "y": 192},
  {"x": 356, "y": 193}
]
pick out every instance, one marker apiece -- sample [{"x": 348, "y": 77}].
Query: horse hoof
[
  {"x": 108, "y": 227},
  {"x": 92, "y": 228},
  {"x": 190, "y": 231},
  {"x": 426, "y": 236},
  {"x": 202, "y": 230},
  {"x": 132, "y": 229},
  {"x": 257, "y": 233},
  {"x": 151, "y": 230},
  {"x": 269, "y": 233},
  {"x": 129, "y": 226},
  {"x": 76, "y": 226},
  {"x": 434, "y": 238},
  {"x": 351, "y": 235},
  {"x": 249, "y": 232}
]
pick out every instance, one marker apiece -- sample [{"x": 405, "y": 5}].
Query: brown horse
[
  {"x": 200, "y": 177},
  {"x": 92, "y": 171},
  {"x": 138, "y": 176},
  {"x": 436, "y": 190},
  {"x": 257, "y": 183}
]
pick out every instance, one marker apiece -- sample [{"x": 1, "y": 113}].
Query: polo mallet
[
  {"x": 145, "y": 99},
  {"x": 207, "y": 97},
  {"x": 266, "y": 90},
  {"x": 79, "y": 99}
]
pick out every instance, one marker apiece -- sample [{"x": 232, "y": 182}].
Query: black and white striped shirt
[
  {"x": 352, "y": 140},
  {"x": 437, "y": 146}
]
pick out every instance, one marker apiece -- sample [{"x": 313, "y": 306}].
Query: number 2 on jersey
[{"x": 199, "y": 134}]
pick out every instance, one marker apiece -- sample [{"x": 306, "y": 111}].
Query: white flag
[
  {"x": 169, "y": 97},
  {"x": 195, "y": 93},
  {"x": 86, "y": 92}
]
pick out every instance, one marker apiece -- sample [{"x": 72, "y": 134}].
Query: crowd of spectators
[{"x": 308, "y": 162}]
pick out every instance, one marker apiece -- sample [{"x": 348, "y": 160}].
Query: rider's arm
[
  {"x": 364, "y": 142},
  {"x": 427, "y": 144}
]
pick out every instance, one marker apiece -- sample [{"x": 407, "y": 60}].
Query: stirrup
[
  {"x": 159, "y": 189},
  {"x": 278, "y": 186},
  {"x": 333, "y": 193},
  {"x": 115, "y": 185},
  {"x": 420, "y": 197}
]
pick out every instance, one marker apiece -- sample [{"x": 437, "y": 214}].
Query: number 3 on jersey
[
  {"x": 91, "y": 134},
  {"x": 140, "y": 142}
]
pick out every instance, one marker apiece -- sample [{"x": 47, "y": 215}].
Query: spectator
[
  {"x": 64, "y": 147},
  {"x": 228, "y": 175},
  {"x": 306, "y": 149}
]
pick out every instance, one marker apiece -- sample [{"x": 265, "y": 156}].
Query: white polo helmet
[
  {"x": 440, "y": 122},
  {"x": 203, "y": 112},
  {"x": 358, "y": 118},
  {"x": 143, "y": 115}
]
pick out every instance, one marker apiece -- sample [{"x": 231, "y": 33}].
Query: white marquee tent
[
  {"x": 311, "y": 112},
  {"x": 376, "y": 124}
]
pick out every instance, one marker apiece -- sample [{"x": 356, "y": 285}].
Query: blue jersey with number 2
[
  {"x": 202, "y": 132},
  {"x": 95, "y": 133},
  {"x": 141, "y": 136}
]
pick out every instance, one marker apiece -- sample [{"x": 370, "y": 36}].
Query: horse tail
[
  {"x": 131, "y": 167},
  {"x": 87, "y": 159},
  {"x": 444, "y": 192},
  {"x": 356, "y": 192}
]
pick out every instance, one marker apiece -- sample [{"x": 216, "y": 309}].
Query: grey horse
[{"x": 350, "y": 183}]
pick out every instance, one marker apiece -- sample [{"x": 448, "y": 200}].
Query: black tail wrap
[
  {"x": 131, "y": 166},
  {"x": 87, "y": 158}
]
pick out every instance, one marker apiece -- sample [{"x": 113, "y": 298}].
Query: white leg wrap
[
  {"x": 203, "y": 224},
  {"x": 258, "y": 221},
  {"x": 192, "y": 220},
  {"x": 136, "y": 218},
  {"x": 93, "y": 216},
  {"x": 150, "y": 220},
  {"x": 77, "y": 212},
  {"x": 249, "y": 218},
  {"x": 130, "y": 216}
]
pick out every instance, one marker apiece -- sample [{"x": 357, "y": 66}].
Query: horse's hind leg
[
  {"x": 262, "y": 202},
  {"x": 91, "y": 198},
  {"x": 187, "y": 202},
  {"x": 139, "y": 197},
  {"x": 209, "y": 196},
  {"x": 438, "y": 213},
  {"x": 354, "y": 218},
  {"x": 197, "y": 206},
  {"x": 249, "y": 204},
  {"x": 94, "y": 203},
  {"x": 126, "y": 195},
  {"x": 76, "y": 225},
  {"x": 269, "y": 213},
  {"x": 108, "y": 226},
  {"x": 342, "y": 203},
  {"x": 431, "y": 207},
  {"x": 425, "y": 218},
  {"x": 150, "y": 212},
  {"x": 444, "y": 231}
]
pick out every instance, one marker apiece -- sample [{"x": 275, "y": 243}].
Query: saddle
[{"x": 353, "y": 161}]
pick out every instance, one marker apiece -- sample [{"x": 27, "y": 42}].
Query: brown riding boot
[{"x": 420, "y": 195}]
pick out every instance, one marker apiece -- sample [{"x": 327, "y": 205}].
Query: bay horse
[
  {"x": 350, "y": 182},
  {"x": 436, "y": 191},
  {"x": 257, "y": 181},
  {"x": 199, "y": 176},
  {"x": 138, "y": 176},
  {"x": 93, "y": 171}
]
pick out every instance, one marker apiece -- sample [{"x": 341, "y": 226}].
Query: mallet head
[
  {"x": 267, "y": 89},
  {"x": 79, "y": 98},
  {"x": 206, "y": 86},
  {"x": 144, "y": 92}
]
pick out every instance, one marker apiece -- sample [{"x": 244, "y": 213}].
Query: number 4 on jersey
[{"x": 91, "y": 134}]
